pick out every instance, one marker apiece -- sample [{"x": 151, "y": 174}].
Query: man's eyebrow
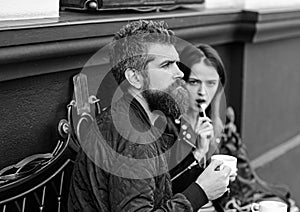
[
  {"x": 152, "y": 57},
  {"x": 168, "y": 60}
]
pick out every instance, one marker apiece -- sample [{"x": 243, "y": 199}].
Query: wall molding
[
  {"x": 75, "y": 35},
  {"x": 276, "y": 25}
]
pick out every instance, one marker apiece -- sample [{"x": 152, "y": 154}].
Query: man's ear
[{"x": 134, "y": 78}]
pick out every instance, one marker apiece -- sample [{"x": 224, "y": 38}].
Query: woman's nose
[{"x": 201, "y": 89}]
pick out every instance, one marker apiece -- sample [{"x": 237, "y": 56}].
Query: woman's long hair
[{"x": 191, "y": 55}]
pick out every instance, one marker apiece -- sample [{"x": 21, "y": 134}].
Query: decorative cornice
[
  {"x": 78, "y": 35},
  {"x": 276, "y": 25},
  {"x": 72, "y": 26}
]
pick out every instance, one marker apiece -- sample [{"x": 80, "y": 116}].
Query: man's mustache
[{"x": 176, "y": 84}]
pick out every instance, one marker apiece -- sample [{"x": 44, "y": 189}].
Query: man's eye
[{"x": 166, "y": 65}]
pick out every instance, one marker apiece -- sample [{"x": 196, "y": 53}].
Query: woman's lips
[{"x": 200, "y": 102}]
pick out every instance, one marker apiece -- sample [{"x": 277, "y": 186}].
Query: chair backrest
[
  {"x": 40, "y": 182},
  {"x": 37, "y": 183}
]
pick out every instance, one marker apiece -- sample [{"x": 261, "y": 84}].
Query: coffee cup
[
  {"x": 269, "y": 206},
  {"x": 227, "y": 160}
]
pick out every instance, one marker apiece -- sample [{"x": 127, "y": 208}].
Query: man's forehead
[{"x": 166, "y": 51}]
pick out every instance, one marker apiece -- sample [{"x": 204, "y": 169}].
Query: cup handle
[{"x": 255, "y": 207}]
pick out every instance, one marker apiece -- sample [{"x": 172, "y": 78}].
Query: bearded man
[{"x": 123, "y": 166}]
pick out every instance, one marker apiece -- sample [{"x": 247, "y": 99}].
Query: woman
[
  {"x": 201, "y": 125},
  {"x": 204, "y": 74}
]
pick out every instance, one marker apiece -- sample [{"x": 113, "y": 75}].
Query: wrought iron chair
[{"x": 40, "y": 182}]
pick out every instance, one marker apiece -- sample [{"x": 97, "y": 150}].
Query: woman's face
[{"x": 202, "y": 85}]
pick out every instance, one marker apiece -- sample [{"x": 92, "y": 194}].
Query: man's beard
[{"x": 172, "y": 102}]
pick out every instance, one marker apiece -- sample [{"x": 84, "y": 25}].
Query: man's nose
[{"x": 177, "y": 72}]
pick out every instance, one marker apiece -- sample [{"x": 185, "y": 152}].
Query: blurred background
[{"x": 42, "y": 48}]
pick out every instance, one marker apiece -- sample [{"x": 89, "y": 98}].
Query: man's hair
[{"x": 130, "y": 45}]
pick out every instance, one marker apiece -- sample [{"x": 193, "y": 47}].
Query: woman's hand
[
  {"x": 204, "y": 127},
  {"x": 204, "y": 130}
]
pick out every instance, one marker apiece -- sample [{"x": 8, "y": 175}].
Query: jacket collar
[{"x": 136, "y": 109}]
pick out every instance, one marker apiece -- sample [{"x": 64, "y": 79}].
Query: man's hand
[{"x": 213, "y": 182}]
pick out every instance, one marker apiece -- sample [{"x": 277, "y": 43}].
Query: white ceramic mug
[
  {"x": 269, "y": 206},
  {"x": 227, "y": 160}
]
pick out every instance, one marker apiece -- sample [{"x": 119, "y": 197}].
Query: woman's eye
[
  {"x": 211, "y": 83},
  {"x": 193, "y": 82}
]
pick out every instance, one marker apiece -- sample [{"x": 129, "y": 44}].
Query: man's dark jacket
[{"x": 122, "y": 166}]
